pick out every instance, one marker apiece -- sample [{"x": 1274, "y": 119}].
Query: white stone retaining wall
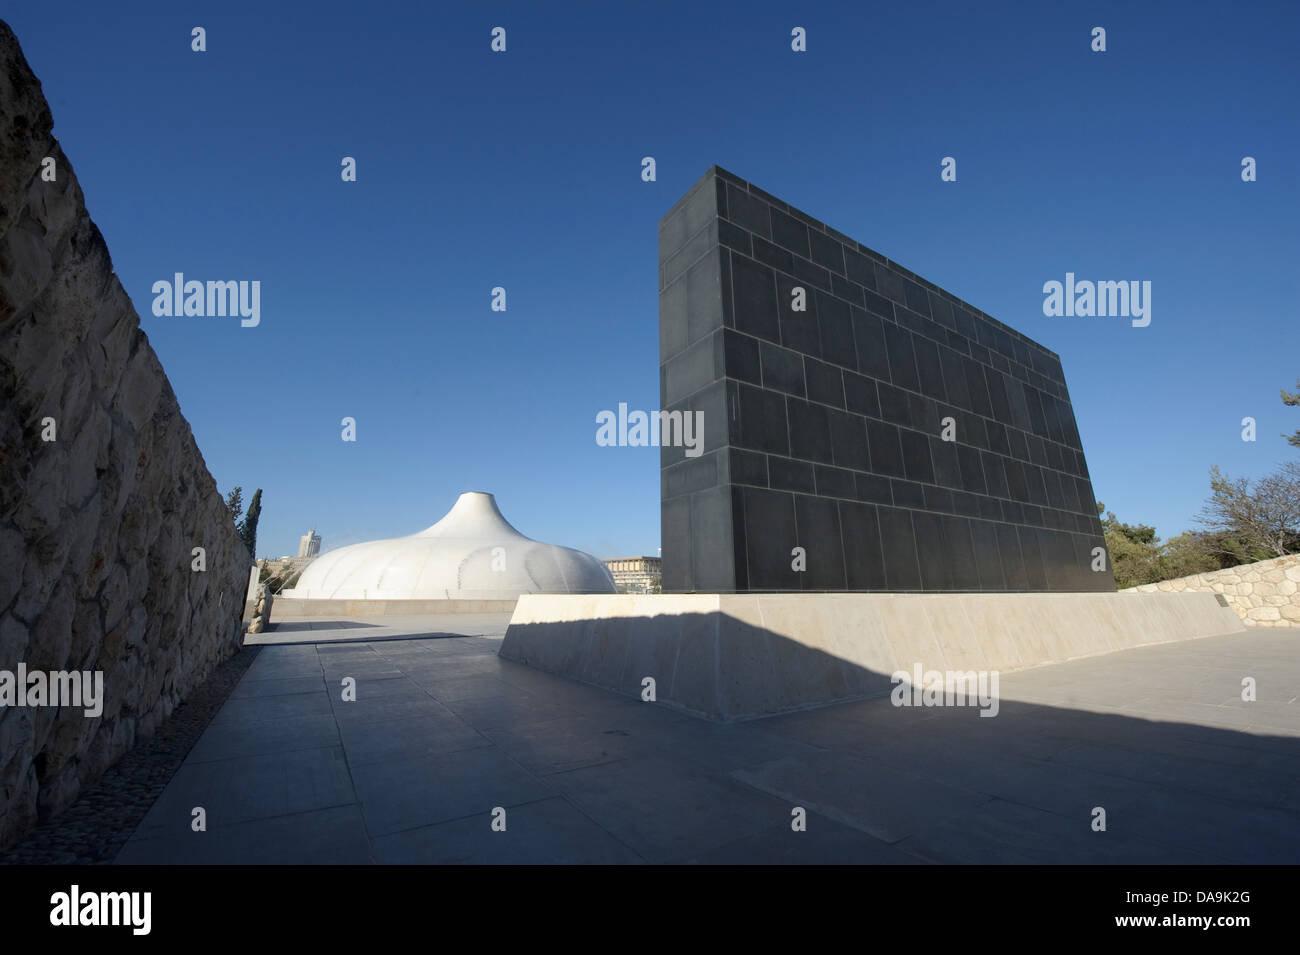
[
  {"x": 97, "y": 526},
  {"x": 1265, "y": 594}
]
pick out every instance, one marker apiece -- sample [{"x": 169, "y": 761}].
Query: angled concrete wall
[
  {"x": 96, "y": 526},
  {"x": 733, "y": 656}
]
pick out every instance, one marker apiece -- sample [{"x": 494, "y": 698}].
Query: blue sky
[{"x": 522, "y": 170}]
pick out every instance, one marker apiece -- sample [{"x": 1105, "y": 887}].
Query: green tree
[
  {"x": 1263, "y": 516},
  {"x": 248, "y": 527},
  {"x": 235, "y": 501},
  {"x": 1292, "y": 400},
  {"x": 1134, "y": 550}
]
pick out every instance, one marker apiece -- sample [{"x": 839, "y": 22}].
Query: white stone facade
[{"x": 1265, "y": 594}]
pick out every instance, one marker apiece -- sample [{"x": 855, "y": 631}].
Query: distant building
[
  {"x": 636, "y": 575},
  {"x": 309, "y": 544}
]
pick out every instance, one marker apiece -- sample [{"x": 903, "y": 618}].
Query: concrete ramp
[{"x": 739, "y": 656}]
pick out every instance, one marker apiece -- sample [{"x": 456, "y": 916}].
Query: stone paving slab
[{"x": 443, "y": 730}]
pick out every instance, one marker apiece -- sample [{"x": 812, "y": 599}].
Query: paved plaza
[{"x": 442, "y": 732}]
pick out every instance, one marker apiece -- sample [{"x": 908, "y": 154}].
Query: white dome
[{"x": 471, "y": 554}]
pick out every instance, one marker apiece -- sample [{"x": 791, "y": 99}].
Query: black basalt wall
[{"x": 824, "y": 429}]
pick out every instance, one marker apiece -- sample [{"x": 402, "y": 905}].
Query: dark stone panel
[
  {"x": 770, "y": 537},
  {"x": 864, "y": 564},
  {"x": 860, "y": 269},
  {"x": 693, "y": 474},
  {"x": 826, "y": 252},
  {"x": 898, "y": 543},
  {"x": 775, "y": 256},
  {"x": 675, "y": 542},
  {"x": 936, "y": 568},
  {"x": 834, "y": 482},
  {"x": 789, "y": 233},
  {"x": 836, "y": 324},
  {"x": 712, "y": 557},
  {"x": 691, "y": 369},
  {"x": 929, "y": 368},
  {"x": 739, "y": 532},
  {"x": 878, "y": 305},
  {"x": 916, "y": 456},
  {"x": 747, "y": 467},
  {"x": 809, "y": 272},
  {"x": 860, "y": 394},
  {"x": 1017, "y": 487},
  {"x": 960, "y": 553},
  {"x": 954, "y": 377},
  {"x": 946, "y": 469},
  {"x": 1013, "y": 564},
  {"x": 799, "y": 330},
  {"x": 924, "y": 414},
  {"x": 825, "y": 383},
  {"x": 1031, "y": 549},
  {"x": 966, "y": 504},
  {"x": 762, "y": 424},
  {"x": 918, "y": 299},
  {"x": 939, "y": 499},
  {"x": 979, "y": 393},
  {"x": 902, "y": 357},
  {"x": 988, "y": 556},
  {"x": 997, "y": 438},
  {"x": 890, "y": 284},
  {"x": 873, "y": 488},
  {"x": 810, "y": 431},
  {"x": 754, "y": 294},
  {"x": 894, "y": 405},
  {"x": 734, "y": 237},
  {"x": 712, "y": 403},
  {"x": 847, "y": 289},
  {"x": 941, "y": 311},
  {"x": 786, "y": 474},
  {"x": 1019, "y": 444},
  {"x": 740, "y": 353},
  {"x": 998, "y": 395},
  {"x": 869, "y": 336},
  {"x": 782, "y": 369},
  {"x": 972, "y": 471},
  {"x": 818, "y": 522},
  {"x": 849, "y": 441},
  {"x": 748, "y": 212},
  {"x": 886, "y": 452},
  {"x": 908, "y": 494}
]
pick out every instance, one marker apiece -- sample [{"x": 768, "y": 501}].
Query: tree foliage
[
  {"x": 248, "y": 526},
  {"x": 1263, "y": 516},
  {"x": 1292, "y": 400},
  {"x": 245, "y": 524}
]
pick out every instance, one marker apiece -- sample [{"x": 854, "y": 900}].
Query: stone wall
[
  {"x": 97, "y": 525},
  {"x": 1265, "y": 594}
]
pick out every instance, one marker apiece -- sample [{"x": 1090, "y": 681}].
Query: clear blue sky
[{"x": 522, "y": 170}]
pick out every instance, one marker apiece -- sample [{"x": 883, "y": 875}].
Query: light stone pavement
[{"x": 443, "y": 731}]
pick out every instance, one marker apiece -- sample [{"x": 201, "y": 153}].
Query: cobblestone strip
[{"x": 93, "y": 829}]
